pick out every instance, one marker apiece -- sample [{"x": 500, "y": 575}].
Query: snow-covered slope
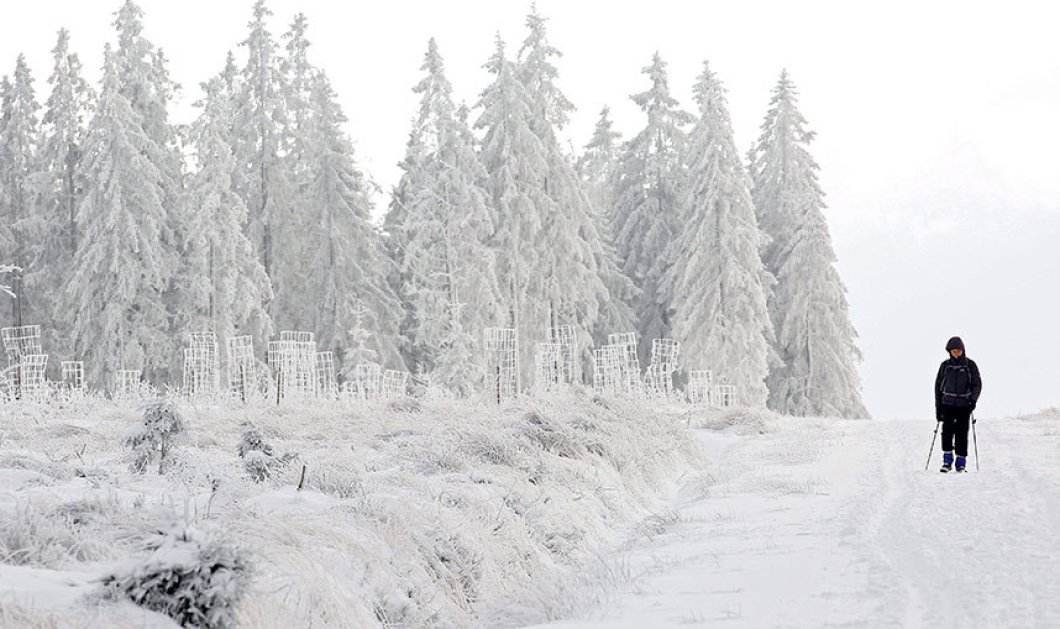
[
  {"x": 444, "y": 514},
  {"x": 827, "y": 524}
]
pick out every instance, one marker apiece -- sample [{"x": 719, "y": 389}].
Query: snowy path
[{"x": 838, "y": 525}]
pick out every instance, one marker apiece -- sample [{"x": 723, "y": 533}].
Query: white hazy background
[{"x": 937, "y": 128}]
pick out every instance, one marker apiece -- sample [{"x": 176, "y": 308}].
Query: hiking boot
[
  {"x": 947, "y": 462},
  {"x": 961, "y": 461}
]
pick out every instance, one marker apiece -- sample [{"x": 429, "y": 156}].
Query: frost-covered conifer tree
[
  {"x": 395, "y": 240},
  {"x": 716, "y": 284},
  {"x": 596, "y": 166},
  {"x": 225, "y": 286},
  {"x": 516, "y": 163},
  {"x": 19, "y": 188},
  {"x": 123, "y": 267},
  {"x": 450, "y": 286},
  {"x": 346, "y": 263},
  {"x": 648, "y": 184},
  {"x": 599, "y": 159},
  {"x": 359, "y": 344},
  {"x": 297, "y": 241},
  {"x": 143, "y": 79},
  {"x": 298, "y": 77},
  {"x": 815, "y": 338},
  {"x": 144, "y": 82},
  {"x": 263, "y": 175},
  {"x": 64, "y": 124},
  {"x": 583, "y": 283}
]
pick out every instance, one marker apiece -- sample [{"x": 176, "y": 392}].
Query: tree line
[{"x": 132, "y": 231}]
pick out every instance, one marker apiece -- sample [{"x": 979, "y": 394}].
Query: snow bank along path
[
  {"x": 441, "y": 514},
  {"x": 829, "y": 524}
]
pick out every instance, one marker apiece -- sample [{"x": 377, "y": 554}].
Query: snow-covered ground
[
  {"x": 441, "y": 514},
  {"x": 825, "y": 524},
  {"x": 585, "y": 512}
]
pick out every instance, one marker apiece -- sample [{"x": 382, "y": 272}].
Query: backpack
[{"x": 957, "y": 385}]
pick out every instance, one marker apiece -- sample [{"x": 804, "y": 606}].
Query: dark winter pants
[{"x": 955, "y": 422}]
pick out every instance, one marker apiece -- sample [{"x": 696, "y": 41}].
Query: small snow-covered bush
[
  {"x": 258, "y": 458},
  {"x": 253, "y": 441},
  {"x": 194, "y": 578},
  {"x": 154, "y": 438}
]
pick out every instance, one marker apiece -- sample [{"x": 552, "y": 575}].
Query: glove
[{"x": 938, "y": 414}]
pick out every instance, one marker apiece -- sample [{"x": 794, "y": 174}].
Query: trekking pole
[
  {"x": 975, "y": 442},
  {"x": 926, "y": 465}
]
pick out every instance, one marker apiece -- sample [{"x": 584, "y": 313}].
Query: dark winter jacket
[{"x": 958, "y": 384}]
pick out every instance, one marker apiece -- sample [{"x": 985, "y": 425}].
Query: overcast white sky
[{"x": 937, "y": 125}]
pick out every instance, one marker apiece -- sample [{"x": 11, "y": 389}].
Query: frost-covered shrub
[
  {"x": 194, "y": 578},
  {"x": 258, "y": 458},
  {"x": 252, "y": 441},
  {"x": 154, "y": 438}
]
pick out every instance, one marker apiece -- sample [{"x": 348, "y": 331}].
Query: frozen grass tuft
[
  {"x": 59, "y": 535},
  {"x": 742, "y": 421}
]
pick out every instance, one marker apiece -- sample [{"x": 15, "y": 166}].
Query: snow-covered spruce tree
[
  {"x": 64, "y": 124},
  {"x": 815, "y": 338},
  {"x": 230, "y": 90},
  {"x": 358, "y": 342},
  {"x": 450, "y": 283},
  {"x": 224, "y": 286},
  {"x": 263, "y": 177},
  {"x": 153, "y": 439},
  {"x": 648, "y": 184},
  {"x": 143, "y": 79},
  {"x": 298, "y": 84},
  {"x": 395, "y": 239},
  {"x": 598, "y": 161},
  {"x": 122, "y": 267},
  {"x": 259, "y": 460},
  {"x": 515, "y": 163},
  {"x": 144, "y": 82},
  {"x": 596, "y": 166},
  {"x": 716, "y": 285},
  {"x": 19, "y": 185},
  {"x": 346, "y": 263},
  {"x": 296, "y": 243},
  {"x": 584, "y": 285}
]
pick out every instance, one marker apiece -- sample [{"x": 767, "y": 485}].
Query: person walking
[{"x": 957, "y": 389}]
